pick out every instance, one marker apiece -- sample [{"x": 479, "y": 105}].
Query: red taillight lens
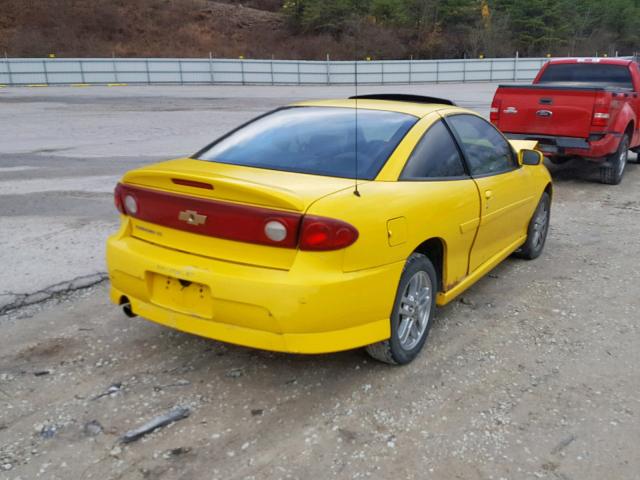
[
  {"x": 494, "y": 111},
  {"x": 323, "y": 234},
  {"x": 117, "y": 198},
  {"x": 231, "y": 221},
  {"x": 601, "y": 108}
]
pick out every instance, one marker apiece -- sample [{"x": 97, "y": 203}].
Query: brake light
[
  {"x": 117, "y": 198},
  {"x": 322, "y": 234},
  {"x": 231, "y": 221},
  {"x": 494, "y": 111},
  {"x": 601, "y": 108}
]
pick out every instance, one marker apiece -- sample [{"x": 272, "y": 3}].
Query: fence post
[
  {"x": 272, "y": 70},
  {"x": 180, "y": 70},
  {"x": 146, "y": 62},
  {"x": 46, "y": 74},
  {"x": 81, "y": 72},
  {"x": 464, "y": 70},
  {"x": 329, "y": 71},
  {"x": 115, "y": 68},
  {"x": 515, "y": 68},
  {"x": 410, "y": 68},
  {"x": 211, "y": 68},
  {"x": 6, "y": 59},
  {"x": 491, "y": 71},
  {"x": 437, "y": 71},
  {"x": 242, "y": 69},
  {"x": 298, "y": 70}
]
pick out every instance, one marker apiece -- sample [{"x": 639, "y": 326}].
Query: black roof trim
[{"x": 402, "y": 97}]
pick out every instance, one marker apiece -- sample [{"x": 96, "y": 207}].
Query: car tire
[
  {"x": 537, "y": 230},
  {"x": 611, "y": 174},
  {"x": 412, "y": 315}
]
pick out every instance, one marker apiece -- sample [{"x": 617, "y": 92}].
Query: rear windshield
[
  {"x": 590, "y": 73},
  {"x": 315, "y": 140}
]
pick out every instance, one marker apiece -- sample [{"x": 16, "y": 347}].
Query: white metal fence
[{"x": 69, "y": 71}]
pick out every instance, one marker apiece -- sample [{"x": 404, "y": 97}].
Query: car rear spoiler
[{"x": 402, "y": 97}]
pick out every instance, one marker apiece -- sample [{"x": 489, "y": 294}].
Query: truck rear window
[
  {"x": 314, "y": 140},
  {"x": 588, "y": 73}
]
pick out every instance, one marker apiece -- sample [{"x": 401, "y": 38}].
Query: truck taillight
[
  {"x": 601, "y": 108},
  {"x": 494, "y": 111}
]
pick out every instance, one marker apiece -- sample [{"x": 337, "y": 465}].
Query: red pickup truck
[{"x": 576, "y": 107}]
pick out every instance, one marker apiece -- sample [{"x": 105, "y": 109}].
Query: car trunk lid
[{"x": 216, "y": 210}]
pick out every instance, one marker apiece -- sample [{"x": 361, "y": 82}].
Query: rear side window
[
  {"x": 435, "y": 156},
  {"x": 315, "y": 140},
  {"x": 486, "y": 150},
  {"x": 588, "y": 73}
]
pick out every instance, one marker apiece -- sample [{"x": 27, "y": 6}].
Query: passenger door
[
  {"x": 445, "y": 199},
  {"x": 505, "y": 196}
]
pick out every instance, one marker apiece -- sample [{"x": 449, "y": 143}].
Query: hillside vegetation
[{"x": 311, "y": 29}]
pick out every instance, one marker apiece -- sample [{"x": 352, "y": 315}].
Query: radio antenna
[{"x": 356, "y": 192}]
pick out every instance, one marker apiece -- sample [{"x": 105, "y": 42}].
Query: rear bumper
[
  {"x": 302, "y": 310},
  {"x": 595, "y": 150}
]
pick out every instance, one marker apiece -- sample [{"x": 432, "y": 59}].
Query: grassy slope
[{"x": 170, "y": 28}]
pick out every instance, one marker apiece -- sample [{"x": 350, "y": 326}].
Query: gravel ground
[{"x": 533, "y": 373}]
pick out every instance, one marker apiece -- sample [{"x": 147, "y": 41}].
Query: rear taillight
[
  {"x": 319, "y": 233},
  {"x": 494, "y": 111},
  {"x": 601, "y": 109},
  {"x": 231, "y": 221},
  {"x": 117, "y": 198}
]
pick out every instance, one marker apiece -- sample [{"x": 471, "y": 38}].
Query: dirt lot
[{"x": 534, "y": 373}]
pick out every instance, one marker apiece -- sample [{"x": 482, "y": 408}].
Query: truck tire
[
  {"x": 537, "y": 231},
  {"x": 611, "y": 174},
  {"x": 412, "y": 315}
]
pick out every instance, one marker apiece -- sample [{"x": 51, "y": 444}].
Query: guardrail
[{"x": 100, "y": 71}]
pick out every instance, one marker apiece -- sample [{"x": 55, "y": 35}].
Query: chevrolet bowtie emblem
[{"x": 192, "y": 217}]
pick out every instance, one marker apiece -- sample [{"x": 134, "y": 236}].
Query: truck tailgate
[{"x": 545, "y": 110}]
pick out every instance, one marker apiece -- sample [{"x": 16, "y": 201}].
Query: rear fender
[{"x": 625, "y": 117}]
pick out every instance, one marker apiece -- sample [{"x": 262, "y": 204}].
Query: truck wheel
[
  {"x": 537, "y": 231},
  {"x": 611, "y": 174},
  {"x": 412, "y": 314}
]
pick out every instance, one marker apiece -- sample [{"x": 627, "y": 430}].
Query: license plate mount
[{"x": 181, "y": 295}]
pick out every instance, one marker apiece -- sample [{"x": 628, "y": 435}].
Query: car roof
[{"x": 411, "y": 108}]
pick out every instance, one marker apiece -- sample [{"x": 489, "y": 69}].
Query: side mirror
[{"x": 530, "y": 157}]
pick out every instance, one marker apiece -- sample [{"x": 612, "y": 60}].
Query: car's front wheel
[
  {"x": 537, "y": 230},
  {"x": 412, "y": 314}
]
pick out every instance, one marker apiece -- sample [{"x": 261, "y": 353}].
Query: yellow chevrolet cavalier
[{"x": 328, "y": 225}]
